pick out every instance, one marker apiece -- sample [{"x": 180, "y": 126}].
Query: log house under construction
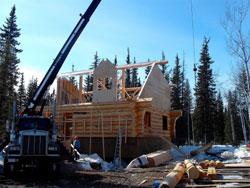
[{"x": 112, "y": 117}]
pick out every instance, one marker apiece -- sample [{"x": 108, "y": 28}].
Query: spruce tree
[
  {"x": 89, "y": 79},
  {"x": 165, "y": 67},
  {"x": 128, "y": 72},
  {"x": 72, "y": 79},
  {"x": 205, "y": 109},
  {"x": 9, "y": 61},
  {"x": 176, "y": 90},
  {"x": 31, "y": 89},
  {"x": 227, "y": 131},
  {"x": 187, "y": 109},
  {"x": 181, "y": 129},
  {"x": 147, "y": 70},
  {"x": 115, "y": 61},
  {"x": 219, "y": 120},
  {"x": 134, "y": 82},
  {"x": 21, "y": 95}
]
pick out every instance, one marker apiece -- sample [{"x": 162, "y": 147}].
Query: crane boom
[{"x": 60, "y": 58}]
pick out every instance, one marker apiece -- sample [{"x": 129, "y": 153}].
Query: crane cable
[{"x": 194, "y": 69}]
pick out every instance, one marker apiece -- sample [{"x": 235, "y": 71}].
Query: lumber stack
[
  {"x": 173, "y": 177},
  {"x": 201, "y": 149}
]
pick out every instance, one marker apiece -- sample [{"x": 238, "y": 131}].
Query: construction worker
[{"x": 76, "y": 145}]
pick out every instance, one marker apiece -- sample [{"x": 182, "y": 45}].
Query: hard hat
[{"x": 76, "y": 137}]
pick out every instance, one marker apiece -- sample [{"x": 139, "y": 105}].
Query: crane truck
[{"x": 33, "y": 136}]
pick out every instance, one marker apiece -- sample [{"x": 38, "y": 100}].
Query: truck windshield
[{"x": 32, "y": 123}]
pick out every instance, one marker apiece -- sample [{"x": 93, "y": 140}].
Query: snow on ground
[
  {"x": 87, "y": 162},
  {"x": 226, "y": 153}
]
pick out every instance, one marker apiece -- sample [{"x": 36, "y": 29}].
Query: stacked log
[
  {"x": 211, "y": 173},
  {"x": 192, "y": 171},
  {"x": 201, "y": 171},
  {"x": 204, "y": 164},
  {"x": 173, "y": 177}
]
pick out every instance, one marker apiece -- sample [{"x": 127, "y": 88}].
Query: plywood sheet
[{"x": 157, "y": 87}]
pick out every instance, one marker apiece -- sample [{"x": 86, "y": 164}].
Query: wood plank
[
  {"x": 224, "y": 181},
  {"x": 213, "y": 186},
  {"x": 237, "y": 165}
]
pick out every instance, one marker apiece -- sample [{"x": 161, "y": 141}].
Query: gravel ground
[{"x": 72, "y": 176}]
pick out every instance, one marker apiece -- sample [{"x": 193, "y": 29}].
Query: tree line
[{"x": 208, "y": 115}]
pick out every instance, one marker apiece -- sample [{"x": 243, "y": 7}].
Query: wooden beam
[
  {"x": 201, "y": 149},
  {"x": 159, "y": 157},
  {"x": 120, "y": 67}
]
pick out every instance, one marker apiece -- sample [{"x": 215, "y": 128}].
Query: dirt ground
[{"x": 72, "y": 176}]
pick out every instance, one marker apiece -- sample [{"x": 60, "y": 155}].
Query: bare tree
[{"x": 238, "y": 37}]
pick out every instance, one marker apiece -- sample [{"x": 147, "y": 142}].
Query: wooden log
[
  {"x": 237, "y": 165},
  {"x": 201, "y": 149},
  {"x": 204, "y": 164},
  {"x": 211, "y": 173},
  {"x": 219, "y": 164},
  {"x": 173, "y": 177},
  {"x": 202, "y": 172},
  {"x": 159, "y": 157},
  {"x": 192, "y": 171},
  {"x": 212, "y": 163}
]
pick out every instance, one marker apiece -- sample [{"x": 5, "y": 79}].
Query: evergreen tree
[
  {"x": 89, "y": 79},
  {"x": 187, "y": 109},
  {"x": 128, "y": 72},
  {"x": 135, "y": 81},
  {"x": 228, "y": 139},
  {"x": 205, "y": 109},
  {"x": 21, "y": 96},
  {"x": 181, "y": 129},
  {"x": 72, "y": 79},
  {"x": 147, "y": 70},
  {"x": 115, "y": 61},
  {"x": 219, "y": 121},
  {"x": 51, "y": 97},
  {"x": 176, "y": 90},
  {"x": 96, "y": 61},
  {"x": 8, "y": 65},
  {"x": 164, "y": 68},
  {"x": 31, "y": 89}
]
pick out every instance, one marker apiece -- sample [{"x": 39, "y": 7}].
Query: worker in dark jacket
[{"x": 76, "y": 145}]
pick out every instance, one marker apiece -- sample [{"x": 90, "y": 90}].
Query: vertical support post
[
  {"x": 103, "y": 147},
  {"x": 120, "y": 142},
  {"x": 90, "y": 135},
  {"x": 80, "y": 90},
  {"x": 126, "y": 130},
  {"x": 123, "y": 84}
]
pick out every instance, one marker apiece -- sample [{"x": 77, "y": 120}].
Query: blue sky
[{"x": 147, "y": 27}]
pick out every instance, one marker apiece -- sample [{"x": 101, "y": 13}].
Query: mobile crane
[{"x": 33, "y": 137}]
